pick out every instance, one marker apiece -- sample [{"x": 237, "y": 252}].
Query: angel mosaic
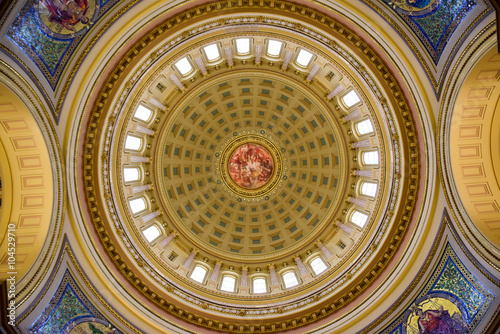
[
  {"x": 437, "y": 315},
  {"x": 66, "y": 16}
]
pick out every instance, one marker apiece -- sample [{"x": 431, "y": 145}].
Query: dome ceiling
[
  {"x": 198, "y": 191},
  {"x": 250, "y": 163}
]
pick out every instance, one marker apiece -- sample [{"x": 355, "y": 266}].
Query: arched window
[
  {"x": 143, "y": 113},
  {"x": 304, "y": 58},
  {"x": 274, "y": 48},
  {"x": 228, "y": 283},
  {"x": 259, "y": 285},
  {"x": 317, "y": 265},
  {"x": 359, "y": 218},
  {"x": 242, "y": 46},
  {"x": 350, "y": 99},
  {"x": 212, "y": 52},
  {"x": 151, "y": 233},
  {"x": 370, "y": 158},
  {"x": 364, "y": 127},
  {"x": 198, "y": 274},
  {"x": 133, "y": 143},
  {"x": 131, "y": 174},
  {"x": 184, "y": 66},
  {"x": 290, "y": 279},
  {"x": 137, "y": 205},
  {"x": 369, "y": 189}
]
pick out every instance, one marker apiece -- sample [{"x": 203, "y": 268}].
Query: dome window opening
[
  {"x": 184, "y": 66},
  {"x": 259, "y": 285},
  {"x": 274, "y": 48},
  {"x": 143, "y": 113},
  {"x": 137, "y": 205},
  {"x": 350, "y": 99},
  {"x": 198, "y": 274},
  {"x": 133, "y": 143},
  {"x": 304, "y": 58},
  {"x": 369, "y": 189},
  {"x": 370, "y": 158},
  {"x": 242, "y": 46},
  {"x": 151, "y": 233},
  {"x": 228, "y": 283},
  {"x": 359, "y": 219},
  {"x": 212, "y": 52},
  {"x": 290, "y": 279},
  {"x": 364, "y": 127},
  {"x": 317, "y": 265},
  {"x": 131, "y": 174}
]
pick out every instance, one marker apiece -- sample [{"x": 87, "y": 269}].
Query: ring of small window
[
  {"x": 317, "y": 265},
  {"x": 199, "y": 273},
  {"x": 358, "y": 218},
  {"x": 259, "y": 284},
  {"x": 363, "y": 127},
  {"x": 212, "y": 53},
  {"x": 274, "y": 48},
  {"x": 132, "y": 174},
  {"x": 228, "y": 283},
  {"x": 243, "y": 47},
  {"x": 143, "y": 113},
  {"x": 369, "y": 158},
  {"x": 134, "y": 143},
  {"x": 350, "y": 99},
  {"x": 184, "y": 67},
  {"x": 368, "y": 188},
  {"x": 152, "y": 232},
  {"x": 138, "y": 205},
  {"x": 303, "y": 59},
  {"x": 289, "y": 278}
]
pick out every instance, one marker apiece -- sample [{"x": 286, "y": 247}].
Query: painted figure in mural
[
  {"x": 250, "y": 166},
  {"x": 438, "y": 322},
  {"x": 67, "y": 12}
]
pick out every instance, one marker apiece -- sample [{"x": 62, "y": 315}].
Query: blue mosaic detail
[
  {"x": 453, "y": 285},
  {"x": 453, "y": 282},
  {"x": 49, "y": 50},
  {"x": 441, "y": 22},
  {"x": 68, "y": 308},
  {"x": 37, "y": 43},
  {"x": 434, "y": 22}
]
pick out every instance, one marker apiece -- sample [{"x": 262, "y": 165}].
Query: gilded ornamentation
[{"x": 383, "y": 227}]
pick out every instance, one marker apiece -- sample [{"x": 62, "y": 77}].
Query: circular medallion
[{"x": 250, "y": 166}]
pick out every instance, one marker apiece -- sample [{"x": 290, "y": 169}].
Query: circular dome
[
  {"x": 203, "y": 189},
  {"x": 250, "y": 168}
]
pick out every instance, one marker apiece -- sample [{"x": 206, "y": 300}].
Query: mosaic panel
[
  {"x": 452, "y": 302},
  {"x": 433, "y": 21},
  {"x": 49, "y": 31},
  {"x": 70, "y": 311}
]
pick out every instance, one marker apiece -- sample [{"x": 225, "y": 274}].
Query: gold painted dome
[
  {"x": 301, "y": 196},
  {"x": 249, "y": 168}
]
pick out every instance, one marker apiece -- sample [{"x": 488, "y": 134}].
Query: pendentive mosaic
[
  {"x": 70, "y": 311},
  {"x": 452, "y": 302},
  {"x": 49, "y": 31},
  {"x": 433, "y": 21}
]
